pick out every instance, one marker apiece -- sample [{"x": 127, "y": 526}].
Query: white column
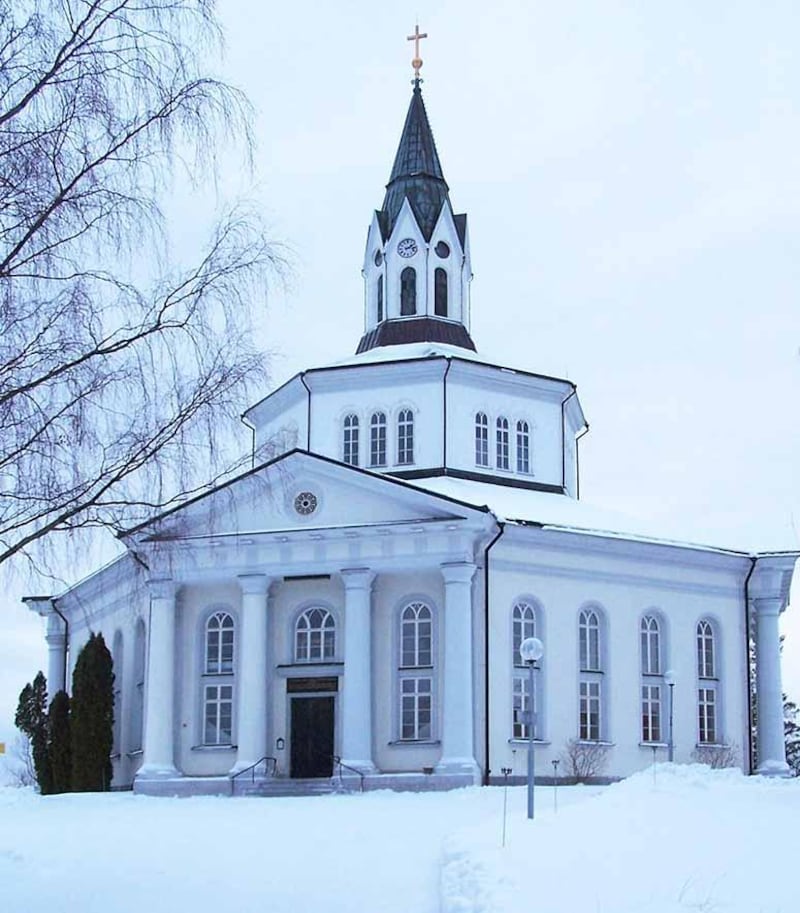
[
  {"x": 769, "y": 692},
  {"x": 458, "y": 750},
  {"x": 56, "y": 656},
  {"x": 356, "y": 704},
  {"x": 252, "y": 646},
  {"x": 159, "y": 715}
]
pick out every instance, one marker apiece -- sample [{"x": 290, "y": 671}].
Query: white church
[{"x": 352, "y": 610}]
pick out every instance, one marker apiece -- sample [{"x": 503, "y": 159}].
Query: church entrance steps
[{"x": 268, "y": 787}]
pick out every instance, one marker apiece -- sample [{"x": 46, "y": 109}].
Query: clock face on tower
[{"x": 407, "y": 247}]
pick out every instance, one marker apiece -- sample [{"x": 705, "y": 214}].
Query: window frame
[
  {"x": 527, "y": 620},
  {"x": 482, "y": 440},
  {"x": 408, "y": 292},
  {"x": 707, "y": 668},
  {"x": 327, "y": 633},
  {"x": 218, "y": 701},
  {"x": 440, "y": 292},
  {"x": 523, "y": 447},
  {"x": 350, "y": 439},
  {"x": 416, "y": 682},
  {"x": 139, "y": 677},
  {"x": 652, "y": 715},
  {"x": 405, "y": 437},
  {"x": 378, "y": 440},
  {"x": 502, "y": 444}
]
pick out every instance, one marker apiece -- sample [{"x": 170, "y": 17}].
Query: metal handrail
[
  {"x": 337, "y": 760},
  {"x": 252, "y": 770}
]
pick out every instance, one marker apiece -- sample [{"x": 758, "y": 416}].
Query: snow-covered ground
[{"x": 693, "y": 840}]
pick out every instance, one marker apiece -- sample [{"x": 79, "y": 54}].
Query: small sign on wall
[{"x": 2, "y": 747}]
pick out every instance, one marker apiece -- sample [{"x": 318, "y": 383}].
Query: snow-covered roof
[
  {"x": 517, "y": 505},
  {"x": 413, "y": 350}
]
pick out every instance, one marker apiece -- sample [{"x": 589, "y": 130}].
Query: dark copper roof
[
  {"x": 416, "y": 329},
  {"x": 416, "y": 173}
]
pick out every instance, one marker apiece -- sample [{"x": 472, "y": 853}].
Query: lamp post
[
  {"x": 531, "y": 649},
  {"x": 669, "y": 679}
]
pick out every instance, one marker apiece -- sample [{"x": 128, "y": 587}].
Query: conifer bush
[
  {"x": 59, "y": 743},
  {"x": 31, "y": 718},
  {"x": 92, "y": 717}
]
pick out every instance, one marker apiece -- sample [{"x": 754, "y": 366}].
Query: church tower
[{"x": 417, "y": 263}]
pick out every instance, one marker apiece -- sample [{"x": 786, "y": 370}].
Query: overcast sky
[{"x": 631, "y": 180}]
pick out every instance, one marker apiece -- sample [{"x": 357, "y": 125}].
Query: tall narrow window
[
  {"x": 137, "y": 716},
  {"x": 650, "y": 636},
  {"x": 405, "y": 437},
  {"x": 589, "y": 637},
  {"x": 707, "y": 711},
  {"x": 481, "y": 439},
  {"x": 350, "y": 440},
  {"x": 218, "y": 716},
  {"x": 590, "y": 716},
  {"x": 116, "y": 658},
  {"x": 707, "y": 715},
  {"x": 416, "y": 672},
  {"x": 502, "y": 443},
  {"x": 379, "y": 299},
  {"x": 651, "y": 713},
  {"x": 589, "y": 713},
  {"x": 523, "y": 447},
  {"x": 440, "y": 292},
  {"x": 218, "y": 680},
  {"x": 705, "y": 651},
  {"x": 315, "y": 636},
  {"x": 525, "y": 706},
  {"x": 408, "y": 292},
  {"x": 219, "y": 644},
  {"x": 377, "y": 439},
  {"x": 651, "y": 666}
]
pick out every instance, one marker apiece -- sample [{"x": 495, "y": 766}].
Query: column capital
[
  {"x": 458, "y": 572},
  {"x": 162, "y": 588},
  {"x": 254, "y": 584},
  {"x": 768, "y": 605},
  {"x": 357, "y": 578},
  {"x": 56, "y": 631}
]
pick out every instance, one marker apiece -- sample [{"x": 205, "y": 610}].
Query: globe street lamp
[
  {"x": 531, "y": 649},
  {"x": 669, "y": 679}
]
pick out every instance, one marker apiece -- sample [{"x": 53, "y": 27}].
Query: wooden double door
[{"x": 312, "y": 728}]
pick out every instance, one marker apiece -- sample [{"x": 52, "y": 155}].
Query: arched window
[
  {"x": 650, "y": 634},
  {"x": 707, "y": 691},
  {"x": 377, "y": 439},
  {"x": 315, "y": 636},
  {"x": 502, "y": 443},
  {"x": 379, "y": 299},
  {"x": 116, "y": 658},
  {"x": 350, "y": 440},
  {"x": 440, "y": 292},
  {"x": 405, "y": 437},
  {"x": 416, "y": 672},
  {"x": 523, "y": 623},
  {"x": 219, "y": 644},
  {"x": 589, "y": 639},
  {"x": 651, "y": 663},
  {"x": 137, "y": 716},
  {"x": 706, "y": 661},
  {"x": 408, "y": 292},
  {"x": 218, "y": 680},
  {"x": 481, "y": 439},
  {"x": 590, "y": 685},
  {"x": 523, "y": 447}
]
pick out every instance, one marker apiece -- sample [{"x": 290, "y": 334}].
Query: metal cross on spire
[{"x": 417, "y": 61}]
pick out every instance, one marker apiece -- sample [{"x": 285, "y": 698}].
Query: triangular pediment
[{"x": 296, "y": 492}]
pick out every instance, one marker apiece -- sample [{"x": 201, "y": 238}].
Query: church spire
[
  {"x": 417, "y": 263},
  {"x": 417, "y": 172}
]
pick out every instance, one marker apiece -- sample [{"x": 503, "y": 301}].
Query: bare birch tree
[{"x": 118, "y": 378}]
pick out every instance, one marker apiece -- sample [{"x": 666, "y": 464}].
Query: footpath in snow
[{"x": 697, "y": 840}]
